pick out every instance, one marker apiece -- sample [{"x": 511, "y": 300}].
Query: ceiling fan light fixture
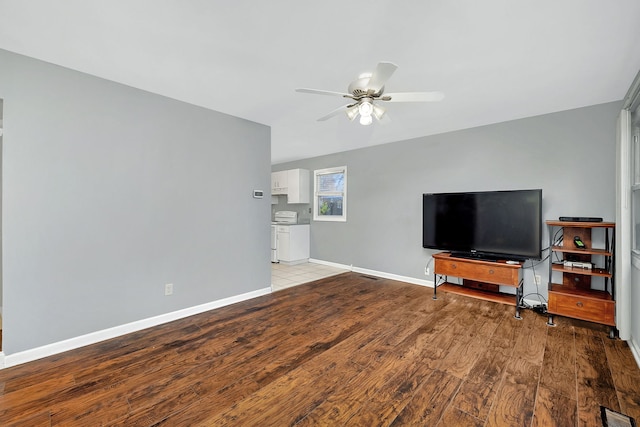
[
  {"x": 365, "y": 108},
  {"x": 378, "y": 111},
  {"x": 366, "y": 120},
  {"x": 352, "y": 113}
]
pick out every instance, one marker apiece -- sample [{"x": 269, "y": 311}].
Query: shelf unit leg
[
  {"x": 435, "y": 286},
  {"x": 550, "y": 321},
  {"x": 518, "y": 298},
  {"x": 612, "y": 332}
]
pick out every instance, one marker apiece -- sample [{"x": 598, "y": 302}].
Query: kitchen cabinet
[
  {"x": 293, "y": 183},
  {"x": 293, "y": 243},
  {"x": 279, "y": 182},
  {"x": 298, "y": 186}
]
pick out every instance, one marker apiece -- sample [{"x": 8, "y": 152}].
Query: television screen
[{"x": 488, "y": 224}]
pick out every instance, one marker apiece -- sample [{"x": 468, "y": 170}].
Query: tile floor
[{"x": 284, "y": 276}]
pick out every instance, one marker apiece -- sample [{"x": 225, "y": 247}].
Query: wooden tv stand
[{"x": 481, "y": 279}]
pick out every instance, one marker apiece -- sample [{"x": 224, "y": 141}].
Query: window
[{"x": 330, "y": 194}]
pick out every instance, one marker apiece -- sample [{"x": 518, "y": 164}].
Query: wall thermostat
[{"x": 258, "y": 194}]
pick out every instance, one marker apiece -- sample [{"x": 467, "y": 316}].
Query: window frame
[
  {"x": 317, "y": 195},
  {"x": 635, "y": 186}
]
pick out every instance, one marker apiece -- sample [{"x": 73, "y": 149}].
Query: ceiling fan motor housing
[{"x": 358, "y": 88}]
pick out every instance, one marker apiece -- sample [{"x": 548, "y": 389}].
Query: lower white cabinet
[{"x": 293, "y": 243}]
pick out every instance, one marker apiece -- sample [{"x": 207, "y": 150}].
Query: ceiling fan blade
[
  {"x": 413, "y": 97},
  {"x": 323, "y": 92},
  {"x": 334, "y": 113},
  {"x": 382, "y": 73}
]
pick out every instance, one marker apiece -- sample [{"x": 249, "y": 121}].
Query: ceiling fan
[{"x": 369, "y": 88}]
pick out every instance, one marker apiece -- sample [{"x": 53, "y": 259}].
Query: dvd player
[
  {"x": 577, "y": 264},
  {"x": 580, "y": 219}
]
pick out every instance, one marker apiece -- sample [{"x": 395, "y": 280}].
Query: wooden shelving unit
[
  {"x": 570, "y": 289},
  {"x": 480, "y": 279}
]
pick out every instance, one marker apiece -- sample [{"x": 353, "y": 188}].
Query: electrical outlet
[
  {"x": 168, "y": 289},
  {"x": 537, "y": 279},
  {"x": 426, "y": 271}
]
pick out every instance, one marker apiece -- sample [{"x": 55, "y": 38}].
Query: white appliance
[
  {"x": 280, "y": 217},
  {"x": 285, "y": 217}
]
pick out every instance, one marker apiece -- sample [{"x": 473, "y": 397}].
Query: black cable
[{"x": 541, "y": 297}]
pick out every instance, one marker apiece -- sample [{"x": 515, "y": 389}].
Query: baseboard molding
[
  {"x": 375, "y": 273},
  {"x": 635, "y": 350},
  {"x": 331, "y": 264},
  {"x": 391, "y": 276},
  {"x": 7, "y": 361}
]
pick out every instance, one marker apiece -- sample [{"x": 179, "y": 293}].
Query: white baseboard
[
  {"x": 375, "y": 273},
  {"x": 635, "y": 350},
  {"x": 105, "y": 334},
  {"x": 391, "y": 276},
  {"x": 331, "y": 264}
]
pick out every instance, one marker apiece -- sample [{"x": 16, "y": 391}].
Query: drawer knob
[
  {"x": 454, "y": 266},
  {"x": 579, "y": 304},
  {"x": 490, "y": 271}
]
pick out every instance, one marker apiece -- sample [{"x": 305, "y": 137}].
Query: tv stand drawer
[
  {"x": 482, "y": 271},
  {"x": 578, "y": 304}
]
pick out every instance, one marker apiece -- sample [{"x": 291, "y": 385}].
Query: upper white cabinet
[
  {"x": 279, "y": 182},
  {"x": 293, "y": 183},
  {"x": 298, "y": 191}
]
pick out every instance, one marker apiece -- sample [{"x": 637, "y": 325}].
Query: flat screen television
[{"x": 485, "y": 225}]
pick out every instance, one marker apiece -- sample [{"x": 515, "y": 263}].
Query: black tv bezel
[{"x": 488, "y": 255}]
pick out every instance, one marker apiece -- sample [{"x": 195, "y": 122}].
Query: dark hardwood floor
[{"x": 346, "y": 350}]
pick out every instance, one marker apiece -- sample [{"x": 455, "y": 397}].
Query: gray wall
[
  {"x": 570, "y": 155},
  {"x": 110, "y": 192}
]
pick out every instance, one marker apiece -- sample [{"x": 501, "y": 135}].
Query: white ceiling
[{"x": 495, "y": 60}]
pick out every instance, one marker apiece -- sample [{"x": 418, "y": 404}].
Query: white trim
[
  {"x": 635, "y": 350},
  {"x": 635, "y": 259},
  {"x": 375, "y": 273},
  {"x": 391, "y": 276},
  {"x": 331, "y": 264},
  {"x": 624, "y": 229},
  {"x": 105, "y": 334}
]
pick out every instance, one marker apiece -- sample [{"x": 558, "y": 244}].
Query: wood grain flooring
[{"x": 348, "y": 350}]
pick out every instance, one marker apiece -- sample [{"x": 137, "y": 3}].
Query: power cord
[{"x": 539, "y": 308}]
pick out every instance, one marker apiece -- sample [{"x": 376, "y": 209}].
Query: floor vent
[{"x": 615, "y": 419}]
